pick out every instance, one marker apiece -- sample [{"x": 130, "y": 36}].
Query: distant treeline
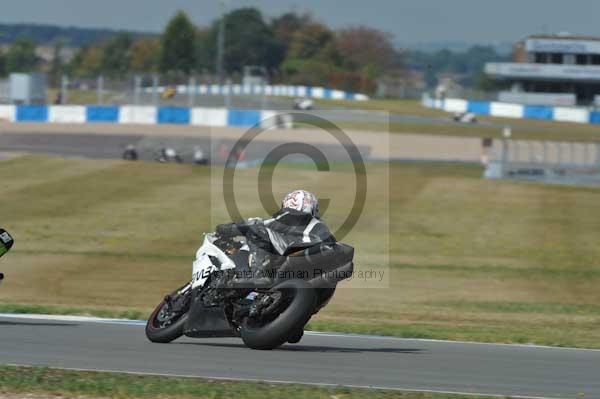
[
  {"x": 47, "y": 35},
  {"x": 291, "y": 48},
  {"x": 465, "y": 66}
]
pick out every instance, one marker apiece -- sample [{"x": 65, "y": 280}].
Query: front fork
[{"x": 177, "y": 300}]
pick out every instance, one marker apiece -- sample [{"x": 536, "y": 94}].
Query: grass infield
[
  {"x": 522, "y": 129},
  {"x": 45, "y": 382},
  {"x": 469, "y": 259}
]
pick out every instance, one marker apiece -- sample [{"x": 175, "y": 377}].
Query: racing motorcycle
[
  {"x": 265, "y": 312},
  {"x": 6, "y": 243},
  {"x": 168, "y": 154}
]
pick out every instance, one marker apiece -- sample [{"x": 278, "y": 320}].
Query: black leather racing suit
[{"x": 271, "y": 240}]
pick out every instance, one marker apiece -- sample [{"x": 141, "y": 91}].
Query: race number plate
[{"x": 203, "y": 267}]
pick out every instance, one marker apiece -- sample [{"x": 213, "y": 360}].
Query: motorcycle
[
  {"x": 168, "y": 154},
  {"x": 265, "y": 313},
  {"x": 130, "y": 153},
  {"x": 6, "y": 243}
]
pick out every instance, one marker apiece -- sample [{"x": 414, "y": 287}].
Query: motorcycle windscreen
[{"x": 6, "y": 242}]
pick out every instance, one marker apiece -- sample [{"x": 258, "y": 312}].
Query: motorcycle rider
[{"x": 296, "y": 226}]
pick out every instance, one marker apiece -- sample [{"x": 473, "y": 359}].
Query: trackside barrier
[
  {"x": 32, "y": 113},
  {"x": 102, "y": 114},
  {"x": 479, "y": 107},
  {"x": 209, "y": 116},
  {"x": 507, "y": 110},
  {"x": 67, "y": 114},
  {"x": 576, "y": 115},
  {"x": 454, "y": 105},
  {"x": 243, "y": 117},
  {"x": 174, "y": 115},
  {"x": 269, "y": 90},
  {"x": 538, "y": 112},
  {"x": 595, "y": 117},
  {"x": 134, "y": 114},
  {"x": 8, "y": 113}
]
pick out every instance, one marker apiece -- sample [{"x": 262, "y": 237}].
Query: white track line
[
  {"x": 86, "y": 319},
  {"x": 80, "y": 319},
  {"x": 288, "y": 382}
]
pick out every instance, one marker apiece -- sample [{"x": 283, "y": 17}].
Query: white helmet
[{"x": 302, "y": 201}]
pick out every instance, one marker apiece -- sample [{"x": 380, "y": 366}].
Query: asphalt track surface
[
  {"x": 328, "y": 359},
  {"x": 111, "y": 146}
]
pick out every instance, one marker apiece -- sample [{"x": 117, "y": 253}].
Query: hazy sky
[{"x": 410, "y": 21}]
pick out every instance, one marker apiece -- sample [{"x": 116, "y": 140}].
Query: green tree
[
  {"x": 87, "y": 62},
  {"x": 145, "y": 55},
  {"x": 365, "y": 50},
  {"x": 56, "y": 65},
  {"x": 285, "y": 26},
  {"x": 248, "y": 41},
  {"x": 2, "y": 64},
  {"x": 312, "y": 57},
  {"x": 205, "y": 50},
  {"x": 307, "y": 72},
  {"x": 178, "y": 45},
  {"x": 21, "y": 56},
  {"x": 313, "y": 40},
  {"x": 116, "y": 55},
  {"x": 467, "y": 65}
]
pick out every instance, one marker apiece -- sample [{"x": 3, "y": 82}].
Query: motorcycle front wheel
[
  {"x": 164, "y": 324},
  {"x": 299, "y": 304}
]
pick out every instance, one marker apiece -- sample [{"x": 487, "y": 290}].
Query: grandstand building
[{"x": 558, "y": 69}]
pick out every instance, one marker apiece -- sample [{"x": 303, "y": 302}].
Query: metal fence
[
  {"x": 575, "y": 163},
  {"x": 186, "y": 91}
]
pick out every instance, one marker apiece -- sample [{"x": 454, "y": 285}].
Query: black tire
[
  {"x": 324, "y": 295},
  {"x": 164, "y": 335},
  {"x": 288, "y": 322}
]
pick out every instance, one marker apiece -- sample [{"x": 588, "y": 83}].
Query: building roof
[{"x": 563, "y": 36}]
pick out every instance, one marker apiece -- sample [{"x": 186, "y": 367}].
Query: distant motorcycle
[
  {"x": 265, "y": 313},
  {"x": 465, "y": 117},
  {"x": 168, "y": 154},
  {"x": 199, "y": 157},
  {"x": 303, "y": 104},
  {"x": 130, "y": 153},
  {"x": 6, "y": 243}
]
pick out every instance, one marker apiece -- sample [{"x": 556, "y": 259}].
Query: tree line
[
  {"x": 48, "y": 35},
  {"x": 292, "y": 48},
  {"x": 466, "y": 66}
]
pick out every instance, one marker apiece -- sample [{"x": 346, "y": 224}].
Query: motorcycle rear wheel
[{"x": 302, "y": 303}]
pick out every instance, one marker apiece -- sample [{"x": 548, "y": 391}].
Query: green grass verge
[
  {"x": 82, "y": 97},
  {"x": 55, "y": 382},
  {"x": 409, "y": 107},
  {"x": 522, "y": 129},
  {"x": 16, "y": 308},
  {"x": 467, "y": 259},
  {"x": 565, "y": 132}
]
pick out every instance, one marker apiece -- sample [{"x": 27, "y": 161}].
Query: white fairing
[{"x": 203, "y": 266}]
